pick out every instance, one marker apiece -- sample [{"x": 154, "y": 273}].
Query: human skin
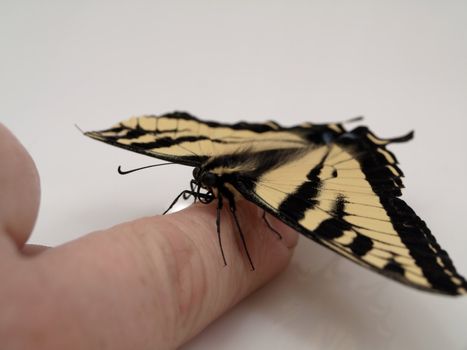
[{"x": 152, "y": 283}]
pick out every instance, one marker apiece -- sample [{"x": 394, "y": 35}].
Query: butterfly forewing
[{"x": 182, "y": 138}]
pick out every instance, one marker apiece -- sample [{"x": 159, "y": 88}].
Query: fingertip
[{"x": 19, "y": 188}]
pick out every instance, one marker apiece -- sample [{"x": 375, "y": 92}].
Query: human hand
[{"x": 152, "y": 283}]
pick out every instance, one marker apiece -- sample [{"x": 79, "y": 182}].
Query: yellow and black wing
[
  {"x": 182, "y": 138},
  {"x": 344, "y": 195}
]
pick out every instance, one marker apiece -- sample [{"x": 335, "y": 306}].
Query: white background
[{"x": 402, "y": 64}]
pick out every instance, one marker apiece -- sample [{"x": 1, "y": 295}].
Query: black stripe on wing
[{"x": 192, "y": 159}]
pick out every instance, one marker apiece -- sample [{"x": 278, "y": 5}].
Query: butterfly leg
[
  {"x": 233, "y": 210},
  {"x": 270, "y": 227},
  {"x": 218, "y": 226},
  {"x": 183, "y": 193},
  {"x": 193, "y": 185},
  {"x": 198, "y": 191},
  {"x": 203, "y": 197}
]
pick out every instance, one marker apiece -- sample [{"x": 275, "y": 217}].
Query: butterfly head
[{"x": 205, "y": 178}]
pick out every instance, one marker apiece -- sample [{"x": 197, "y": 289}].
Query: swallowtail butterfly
[{"x": 339, "y": 188}]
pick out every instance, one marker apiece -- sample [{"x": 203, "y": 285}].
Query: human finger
[
  {"x": 151, "y": 283},
  {"x": 19, "y": 188}
]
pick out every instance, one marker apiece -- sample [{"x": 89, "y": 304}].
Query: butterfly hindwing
[{"x": 345, "y": 196}]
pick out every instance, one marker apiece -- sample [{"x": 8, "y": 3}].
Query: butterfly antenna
[
  {"x": 80, "y": 130},
  {"x": 353, "y": 120},
  {"x": 125, "y": 172}
]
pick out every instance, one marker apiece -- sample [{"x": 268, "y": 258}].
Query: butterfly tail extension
[{"x": 363, "y": 131}]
